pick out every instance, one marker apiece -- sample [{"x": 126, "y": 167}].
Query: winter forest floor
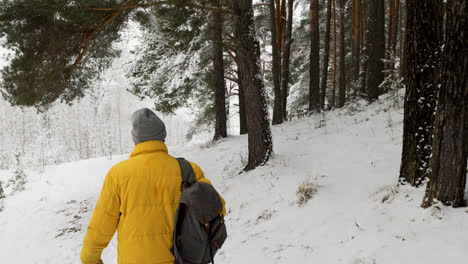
[{"x": 357, "y": 214}]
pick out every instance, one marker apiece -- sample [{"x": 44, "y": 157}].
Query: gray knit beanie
[{"x": 147, "y": 126}]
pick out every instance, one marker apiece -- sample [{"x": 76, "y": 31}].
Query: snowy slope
[{"x": 357, "y": 215}]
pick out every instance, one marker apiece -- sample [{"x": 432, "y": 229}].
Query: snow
[
  {"x": 357, "y": 215},
  {"x": 93, "y": 126}
]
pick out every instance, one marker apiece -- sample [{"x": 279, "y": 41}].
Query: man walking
[{"x": 139, "y": 199}]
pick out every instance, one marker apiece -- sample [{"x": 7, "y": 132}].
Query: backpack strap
[
  {"x": 188, "y": 175},
  {"x": 188, "y": 178}
]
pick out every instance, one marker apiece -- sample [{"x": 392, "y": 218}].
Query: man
[{"x": 139, "y": 199}]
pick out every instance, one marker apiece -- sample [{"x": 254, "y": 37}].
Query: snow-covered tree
[{"x": 18, "y": 179}]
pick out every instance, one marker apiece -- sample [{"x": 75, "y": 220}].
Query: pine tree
[
  {"x": 174, "y": 58},
  {"x": 375, "y": 48},
  {"x": 342, "y": 54},
  {"x": 242, "y": 113},
  {"x": 357, "y": 13},
  {"x": 365, "y": 50},
  {"x": 2, "y": 196},
  {"x": 314, "y": 70},
  {"x": 278, "y": 111},
  {"x": 326, "y": 57},
  {"x": 260, "y": 140},
  {"x": 402, "y": 38},
  {"x": 285, "y": 71},
  {"x": 333, "y": 97},
  {"x": 50, "y": 40},
  {"x": 394, "y": 14},
  {"x": 2, "y": 192},
  {"x": 18, "y": 180},
  {"x": 218, "y": 72},
  {"x": 447, "y": 174},
  {"x": 422, "y": 58}
]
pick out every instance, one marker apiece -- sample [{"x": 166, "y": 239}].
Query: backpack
[{"x": 199, "y": 228}]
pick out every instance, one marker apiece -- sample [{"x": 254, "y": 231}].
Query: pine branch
[
  {"x": 93, "y": 32},
  {"x": 132, "y": 6}
]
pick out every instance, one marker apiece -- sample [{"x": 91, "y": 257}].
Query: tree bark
[
  {"x": 447, "y": 174},
  {"x": 362, "y": 81},
  {"x": 403, "y": 43},
  {"x": 357, "y": 13},
  {"x": 423, "y": 41},
  {"x": 395, "y": 27},
  {"x": 279, "y": 27},
  {"x": 314, "y": 69},
  {"x": 333, "y": 104},
  {"x": 326, "y": 57},
  {"x": 218, "y": 65},
  {"x": 391, "y": 17},
  {"x": 402, "y": 37},
  {"x": 364, "y": 51},
  {"x": 394, "y": 10},
  {"x": 286, "y": 58},
  {"x": 375, "y": 48},
  {"x": 283, "y": 21},
  {"x": 260, "y": 141},
  {"x": 242, "y": 113},
  {"x": 364, "y": 6},
  {"x": 278, "y": 114},
  {"x": 342, "y": 70}
]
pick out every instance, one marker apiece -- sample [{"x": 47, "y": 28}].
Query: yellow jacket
[{"x": 138, "y": 199}]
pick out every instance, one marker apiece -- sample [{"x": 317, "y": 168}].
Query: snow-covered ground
[{"x": 357, "y": 215}]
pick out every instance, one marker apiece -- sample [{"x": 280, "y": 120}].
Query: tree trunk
[
  {"x": 375, "y": 48},
  {"x": 364, "y": 6},
  {"x": 242, "y": 113},
  {"x": 394, "y": 10},
  {"x": 333, "y": 104},
  {"x": 326, "y": 56},
  {"x": 402, "y": 37},
  {"x": 391, "y": 17},
  {"x": 260, "y": 140},
  {"x": 279, "y": 28},
  {"x": 283, "y": 21},
  {"x": 314, "y": 70},
  {"x": 278, "y": 114},
  {"x": 447, "y": 174},
  {"x": 357, "y": 13},
  {"x": 218, "y": 65},
  {"x": 364, "y": 52},
  {"x": 342, "y": 70},
  {"x": 395, "y": 27},
  {"x": 286, "y": 58},
  {"x": 403, "y": 42},
  {"x": 423, "y": 41}
]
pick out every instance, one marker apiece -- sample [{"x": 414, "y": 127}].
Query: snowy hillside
[{"x": 356, "y": 215}]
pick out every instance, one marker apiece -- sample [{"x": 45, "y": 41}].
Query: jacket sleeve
[
  {"x": 103, "y": 223},
  {"x": 200, "y": 177}
]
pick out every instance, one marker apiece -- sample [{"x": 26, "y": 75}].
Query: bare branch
[{"x": 233, "y": 57}]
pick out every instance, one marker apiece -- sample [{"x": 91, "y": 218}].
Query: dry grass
[{"x": 306, "y": 190}]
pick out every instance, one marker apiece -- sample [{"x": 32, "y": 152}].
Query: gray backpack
[{"x": 199, "y": 229}]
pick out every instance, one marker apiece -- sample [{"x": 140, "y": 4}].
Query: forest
[
  {"x": 240, "y": 67},
  {"x": 356, "y": 49}
]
